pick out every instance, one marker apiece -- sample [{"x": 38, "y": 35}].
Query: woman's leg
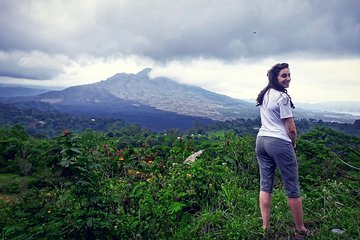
[
  {"x": 285, "y": 158},
  {"x": 295, "y": 205},
  {"x": 266, "y": 169},
  {"x": 265, "y": 208}
]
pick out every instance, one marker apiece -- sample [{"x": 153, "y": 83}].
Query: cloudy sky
[{"x": 225, "y": 46}]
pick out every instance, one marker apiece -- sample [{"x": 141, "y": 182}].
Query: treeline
[
  {"x": 42, "y": 124},
  {"x": 251, "y": 126},
  {"x": 134, "y": 184}
]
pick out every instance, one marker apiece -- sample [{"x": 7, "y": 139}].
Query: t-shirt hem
[{"x": 275, "y": 136}]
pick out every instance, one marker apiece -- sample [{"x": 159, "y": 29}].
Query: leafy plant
[{"x": 133, "y": 184}]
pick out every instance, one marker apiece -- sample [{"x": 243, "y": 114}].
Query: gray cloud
[
  {"x": 163, "y": 29},
  {"x": 27, "y": 73},
  {"x": 31, "y": 65},
  {"x": 13, "y": 69}
]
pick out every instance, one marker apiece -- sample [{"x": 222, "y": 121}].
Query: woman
[{"x": 275, "y": 145}]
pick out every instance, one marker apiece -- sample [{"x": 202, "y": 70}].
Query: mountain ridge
[{"x": 166, "y": 94}]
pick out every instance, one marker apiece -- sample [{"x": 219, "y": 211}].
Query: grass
[{"x": 13, "y": 183}]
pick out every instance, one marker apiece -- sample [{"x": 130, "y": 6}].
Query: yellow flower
[
  {"x": 148, "y": 180},
  {"x": 121, "y": 158}
]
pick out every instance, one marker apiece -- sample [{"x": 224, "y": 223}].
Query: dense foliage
[
  {"x": 49, "y": 122},
  {"x": 133, "y": 184},
  {"x": 42, "y": 124}
]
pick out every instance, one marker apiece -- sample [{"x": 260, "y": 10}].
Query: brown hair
[{"x": 273, "y": 83}]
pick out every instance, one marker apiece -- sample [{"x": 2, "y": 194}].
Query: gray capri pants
[{"x": 272, "y": 152}]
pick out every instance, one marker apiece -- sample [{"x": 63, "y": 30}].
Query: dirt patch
[{"x": 6, "y": 197}]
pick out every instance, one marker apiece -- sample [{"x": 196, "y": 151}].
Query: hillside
[
  {"x": 95, "y": 185},
  {"x": 44, "y": 119}
]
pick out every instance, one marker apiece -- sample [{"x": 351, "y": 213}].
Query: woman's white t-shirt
[{"x": 275, "y": 107}]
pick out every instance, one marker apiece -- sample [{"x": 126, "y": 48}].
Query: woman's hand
[{"x": 291, "y": 129}]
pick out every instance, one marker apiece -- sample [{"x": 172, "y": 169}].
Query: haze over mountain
[{"x": 339, "y": 107}]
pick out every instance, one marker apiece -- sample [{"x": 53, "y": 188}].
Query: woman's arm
[{"x": 291, "y": 129}]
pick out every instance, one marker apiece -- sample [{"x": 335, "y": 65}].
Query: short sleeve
[{"x": 285, "y": 108}]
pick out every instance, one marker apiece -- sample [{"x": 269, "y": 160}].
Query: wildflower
[
  {"x": 66, "y": 132},
  {"x": 137, "y": 173},
  {"x": 121, "y": 159},
  {"x": 189, "y": 175},
  {"x": 150, "y": 162},
  {"x": 190, "y": 191},
  {"x": 148, "y": 180},
  {"x": 118, "y": 153}
]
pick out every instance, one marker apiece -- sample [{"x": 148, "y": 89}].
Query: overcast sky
[{"x": 225, "y": 46}]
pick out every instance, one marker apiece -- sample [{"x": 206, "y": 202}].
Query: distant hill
[
  {"x": 157, "y": 104},
  {"x": 20, "y": 91},
  {"x": 339, "y": 107}
]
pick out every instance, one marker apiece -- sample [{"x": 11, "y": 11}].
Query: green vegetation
[
  {"x": 44, "y": 124},
  {"x": 133, "y": 184}
]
